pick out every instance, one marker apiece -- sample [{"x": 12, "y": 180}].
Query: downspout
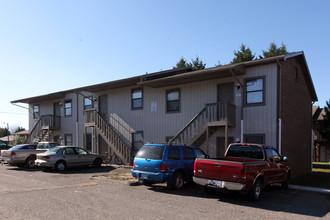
[
  {"x": 77, "y": 122},
  {"x": 242, "y": 103},
  {"x": 312, "y": 141},
  {"x": 279, "y": 110}
]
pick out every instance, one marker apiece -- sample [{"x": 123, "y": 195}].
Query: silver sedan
[{"x": 61, "y": 157}]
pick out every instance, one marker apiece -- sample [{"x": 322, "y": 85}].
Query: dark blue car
[{"x": 161, "y": 163}]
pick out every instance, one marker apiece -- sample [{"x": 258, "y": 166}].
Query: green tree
[
  {"x": 4, "y": 132},
  {"x": 273, "y": 50},
  {"x": 182, "y": 63},
  {"x": 325, "y": 127},
  {"x": 18, "y": 129},
  {"x": 197, "y": 64},
  {"x": 244, "y": 54}
]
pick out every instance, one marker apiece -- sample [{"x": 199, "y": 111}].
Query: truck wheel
[
  {"x": 29, "y": 163},
  {"x": 285, "y": 184},
  {"x": 177, "y": 181},
  {"x": 255, "y": 193}
]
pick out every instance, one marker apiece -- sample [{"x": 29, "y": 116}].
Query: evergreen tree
[
  {"x": 245, "y": 54},
  {"x": 197, "y": 64},
  {"x": 182, "y": 63},
  {"x": 325, "y": 130},
  {"x": 273, "y": 50}
]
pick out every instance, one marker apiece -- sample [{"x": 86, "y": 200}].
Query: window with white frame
[
  {"x": 36, "y": 112},
  {"x": 173, "y": 101},
  {"x": 255, "y": 91},
  {"x": 137, "y": 98},
  {"x": 88, "y": 103},
  {"x": 68, "y": 108}
]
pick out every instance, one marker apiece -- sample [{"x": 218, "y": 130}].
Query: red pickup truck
[{"x": 245, "y": 167}]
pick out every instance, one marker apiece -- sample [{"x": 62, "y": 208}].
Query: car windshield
[
  {"x": 151, "y": 152},
  {"x": 53, "y": 150}
]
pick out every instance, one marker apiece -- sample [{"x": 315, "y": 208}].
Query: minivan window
[
  {"x": 173, "y": 153},
  {"x": 151, "y": 152},
  {"x": 188, "y": 153}
]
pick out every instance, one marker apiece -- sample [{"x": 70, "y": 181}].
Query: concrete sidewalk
[{"x": 312, "y": 189}]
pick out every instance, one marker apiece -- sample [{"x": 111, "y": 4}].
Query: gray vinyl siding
[
  {"x": 263, "y": 119},
  {"x": 158, "y": 125}
]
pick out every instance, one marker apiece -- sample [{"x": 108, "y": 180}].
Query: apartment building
[{"x": 266, "y": 101}]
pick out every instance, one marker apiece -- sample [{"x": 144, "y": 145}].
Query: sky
[{"x": 50, "y": 46}]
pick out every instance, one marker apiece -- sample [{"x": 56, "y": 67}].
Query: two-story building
[{"x": 266, "y": 101}]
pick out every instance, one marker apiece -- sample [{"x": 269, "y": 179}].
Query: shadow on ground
[{"x": 274, "y": 199}]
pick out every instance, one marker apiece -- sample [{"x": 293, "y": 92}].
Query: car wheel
[
  {"x": 60, "y": 166},
  {"x": 29, "y": 163},
  {"x": 285, "y": 184},
  {"x": 97, "y": 162},
  {"x": 177, "y": 181},
  {"x": 255, "y": 193},
  {"x": 117, "y": 160}
]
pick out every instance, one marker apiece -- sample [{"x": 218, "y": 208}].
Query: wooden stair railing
[
  {"x": 220, "y": 114},
  {"x": 109, "y": 135}
]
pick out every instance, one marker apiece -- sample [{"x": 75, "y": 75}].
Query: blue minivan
[{"x": 162, "y": 163}]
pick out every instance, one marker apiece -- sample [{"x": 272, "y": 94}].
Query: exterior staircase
[
  {"x": 43, "y": 129},
  {"x": 199, "y": 128},
  {"x": 109, "y": 134}
]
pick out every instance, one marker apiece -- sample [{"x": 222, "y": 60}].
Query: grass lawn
[{"x": 318, "y": 178}]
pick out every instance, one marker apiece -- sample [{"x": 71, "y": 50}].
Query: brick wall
[{"x": 296, "y": 113}]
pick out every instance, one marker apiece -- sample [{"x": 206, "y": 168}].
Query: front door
[
  {"x": 57, "y": 109},
  {"x": 103, "y": 106},
  {"x": 226, "y": 93}
]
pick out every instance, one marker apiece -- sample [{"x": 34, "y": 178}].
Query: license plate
[
  {"x": 216, "y": 183},
  {"x": 143, "y": 176}
]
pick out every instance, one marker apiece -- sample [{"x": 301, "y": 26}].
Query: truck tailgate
[{"x": 218, "y": 169}]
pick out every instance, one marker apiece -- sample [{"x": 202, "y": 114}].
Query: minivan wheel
[
  {"x": 60, "y": 166},
  {"x": 29, "y": 163},
  {"x": 177, "y": 181}
]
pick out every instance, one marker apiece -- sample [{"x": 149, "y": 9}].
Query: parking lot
[{"x": 91, "y": 194}]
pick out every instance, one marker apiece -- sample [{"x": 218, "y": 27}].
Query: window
[
  {"x": 138, "y": 140},
  {"x": 89, "y": 142},
  {"x": 188, "y": 154},
  {"x": 80, "y": 151},
  {"x": 68, "y": 108},
  {"x": 137, "y": 99},
  {"x": 173, "y": 101},
  {"x": 245, "y": 151},
  {"x": 254, "y": 91},
  {"x": 173, "y": 153},
  {"x": 255, "y": 138},
  {"x": 88, "y": 104},
  {"x": 36, "y": 112},
  {"x": 68, "y": 139},
  {"x": 69, "y": 151}
]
